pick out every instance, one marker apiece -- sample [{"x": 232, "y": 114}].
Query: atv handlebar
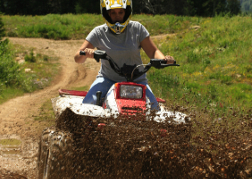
[
  {"x": 128, "y": 71},
  {"x": 98, "y": 54},
  {"x": 82, "y": 53},
  {"x": 157, "y": 63}
]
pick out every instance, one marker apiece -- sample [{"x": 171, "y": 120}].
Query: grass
[
  {"x": 46, "y": 113},
  {"x": 43, "y": 70},
  {"x": 8, "y": 93},
  {"x": 82, "y": 88},
  {"x": 69, "y": 26},
  {"x": 215, "y": 71},
  {"x": 51, "y": 26},
  {"x": 10, "y": 142},
  {"x": 35, "y": 72}
]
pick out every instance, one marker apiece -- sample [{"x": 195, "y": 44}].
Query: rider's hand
[
  {"x": 89, "y": 52},
  {"x": 169, "y": 59}
]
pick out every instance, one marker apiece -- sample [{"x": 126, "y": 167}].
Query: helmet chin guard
[
  {"x": 106, "y": 5},
  {"x": 118, "y": 28}
]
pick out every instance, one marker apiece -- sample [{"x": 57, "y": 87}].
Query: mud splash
[{"x": 129, "y": 147}]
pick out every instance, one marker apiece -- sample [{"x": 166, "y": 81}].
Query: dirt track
[{"x": 17, "y": 115}]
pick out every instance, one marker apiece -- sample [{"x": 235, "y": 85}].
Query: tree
[
  {"x": 178, "y": 7},
  {"x": 246, "y": 5},
  {"x": 160, "y": 6},
  {"x": 2, "y": 30},
  {"x": 233, "y": 7},
  {"x": 208, "y": 7},
  {"x": 15, "y": 6},
  {"x": 212, "y": 7},
  {"x": 87, "y": 6}
]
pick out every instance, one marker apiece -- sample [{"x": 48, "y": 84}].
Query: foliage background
[
  {"x": 178, "y": 7},
  {"x": 246, "y": 6}
]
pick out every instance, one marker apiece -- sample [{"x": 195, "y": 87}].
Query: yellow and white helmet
[{"x": 106, "y": 5}]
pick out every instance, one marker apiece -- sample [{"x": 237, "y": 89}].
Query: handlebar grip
[
  {"x": 164, "y": 62},
  {"x": 95, "y": 56},
  {"x": 157, "y": 63},
  {"x": 173, "y": 64},
  {"x": 82, "y": 53}
]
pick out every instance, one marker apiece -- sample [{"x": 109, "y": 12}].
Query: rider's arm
[
  {"x": 86, "y": 47},
  {"x": 153, "y": 52}
]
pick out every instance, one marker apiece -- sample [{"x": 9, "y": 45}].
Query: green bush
[
  {"x": 2, "y": 30},
  {"x": 11, "y": 76},
  {"x": 30, "y": 57},
  {"x": 9, "y": 69}
]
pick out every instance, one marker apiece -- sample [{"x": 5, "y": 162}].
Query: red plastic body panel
[
  {"x": 128, "y": 106},
  {"x": 72, "y": 92}
]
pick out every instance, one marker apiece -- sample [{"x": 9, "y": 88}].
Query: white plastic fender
[{"x": 74, "y": 103}]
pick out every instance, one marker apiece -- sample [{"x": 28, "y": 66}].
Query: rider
[{"x": 122, "y": 40}]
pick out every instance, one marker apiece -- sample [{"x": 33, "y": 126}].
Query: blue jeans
[{"x": 103, "y": 84}]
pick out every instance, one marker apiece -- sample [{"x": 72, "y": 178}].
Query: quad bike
[{"x": 79, "y": 124}]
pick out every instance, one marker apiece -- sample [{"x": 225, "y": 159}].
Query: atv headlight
[{"x": 128, "y": 91}]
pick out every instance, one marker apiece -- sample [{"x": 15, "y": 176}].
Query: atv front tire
[
  {"x": 43, "y": 151},
  {"x": 55, "y": 155}
]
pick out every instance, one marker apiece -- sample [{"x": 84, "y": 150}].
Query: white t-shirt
[{"x": 123, "y": 48}]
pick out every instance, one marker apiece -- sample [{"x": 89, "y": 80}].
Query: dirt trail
[{"x": 17, "y": 115}]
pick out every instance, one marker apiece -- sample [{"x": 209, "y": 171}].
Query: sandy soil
[{"x": 17, "y": 115}]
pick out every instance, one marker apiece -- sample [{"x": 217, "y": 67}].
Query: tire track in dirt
[{"x": 17, "y": 115}]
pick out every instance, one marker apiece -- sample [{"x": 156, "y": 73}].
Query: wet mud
[{"x": 130, "y": 147}]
